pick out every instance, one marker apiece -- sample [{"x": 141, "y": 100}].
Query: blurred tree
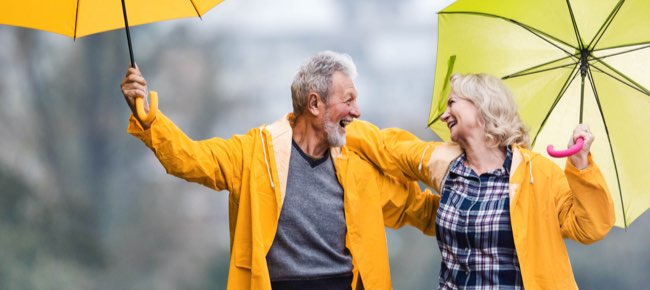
[{"x": 74, "y": 228}]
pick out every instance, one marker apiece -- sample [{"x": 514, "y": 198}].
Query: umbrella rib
[
  {"x": 557, "y": 100},
  {"x": 623, "y": 52},
  {"x": 631, "y": 83},
  {"x": 621, "y": 81},
  {"x": 196, "y": 10},
  {"x": 539, "y": 34},
  {"x": 76, "y": 20},
  {"x": 623, "y": 45},
  {"x": 530, "y": 71},
  {"x": 575, "y": 25},
  {"x": 611, "y": 147},
  {"x": 530, "y": 29},
  {"x": 606, "y": 24}
]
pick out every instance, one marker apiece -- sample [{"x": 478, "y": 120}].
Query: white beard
[{"x": 334, "y": 137}]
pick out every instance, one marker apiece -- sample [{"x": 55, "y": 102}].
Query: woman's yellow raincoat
[
  {"x": 546, "y": 204},
  {"x": 254, "y": 169}
]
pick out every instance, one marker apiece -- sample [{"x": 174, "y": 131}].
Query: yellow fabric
[
  {"x": 80, "y": 18},
  {"x": 547, "y": 204},
  {"x": 239, "y": 165}
]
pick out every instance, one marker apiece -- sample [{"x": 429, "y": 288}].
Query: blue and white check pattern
[{"x": 474, "y": 232}]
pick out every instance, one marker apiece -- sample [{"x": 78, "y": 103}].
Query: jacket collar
[
  {"x": 442, "y": 157},
  {"x": 281, "y": 133}
]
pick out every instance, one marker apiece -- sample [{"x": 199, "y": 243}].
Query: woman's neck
[{"x": 483, "y": 158}]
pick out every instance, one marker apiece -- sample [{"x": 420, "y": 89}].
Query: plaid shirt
[{"x": 474, "y": 232}]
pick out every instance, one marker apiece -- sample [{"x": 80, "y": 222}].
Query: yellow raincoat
[
  {"x": 546, "y": 204},
  {"x": 254, "y": 169}
]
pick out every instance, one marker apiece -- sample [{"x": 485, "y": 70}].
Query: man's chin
[{"x": 337, "y": 141}]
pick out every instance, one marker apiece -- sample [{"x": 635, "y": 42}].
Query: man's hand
[{"x": 133, "y": 86}]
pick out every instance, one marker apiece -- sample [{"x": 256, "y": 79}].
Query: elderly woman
[{"x": 504, "y": 210}]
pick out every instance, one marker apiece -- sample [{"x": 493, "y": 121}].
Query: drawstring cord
[
  {"x": 422, "y": 158},
  {"x": 530, "y": 168},
  {"x": 268, "y": 168}
]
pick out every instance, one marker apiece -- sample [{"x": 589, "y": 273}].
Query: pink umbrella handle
[{"x": 568, "y": 152}]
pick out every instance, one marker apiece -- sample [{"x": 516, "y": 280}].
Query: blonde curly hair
[{"x": 497, "y": 107}]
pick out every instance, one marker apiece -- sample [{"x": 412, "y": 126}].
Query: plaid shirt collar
[{"x": 459, "y": 167}]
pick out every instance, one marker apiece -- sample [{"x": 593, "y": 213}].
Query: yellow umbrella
[
  {"x": 75, "y": 18},
  {"x": 567, "y": 62}
]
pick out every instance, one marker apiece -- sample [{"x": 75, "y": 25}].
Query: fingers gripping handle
[
  {"x": 568, "y": 152},
  {"x": 153, "y": 108}
]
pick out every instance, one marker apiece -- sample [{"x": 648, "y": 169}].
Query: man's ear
[{"x": 313, "y": 103}]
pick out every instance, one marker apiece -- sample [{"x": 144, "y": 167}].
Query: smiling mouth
[
  {"x": 344, "y": 123},
  {"x": 451, "y": 124}
]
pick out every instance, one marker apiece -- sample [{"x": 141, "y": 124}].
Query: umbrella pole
[
  {"x": 584, "y": 67},
  {"x": 582, "y": 99},
  {"x": 139, "y": 101},
  {"x": 128, "y": 34}
]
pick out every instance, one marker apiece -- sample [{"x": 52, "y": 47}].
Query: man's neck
[{"x": 310, "y": 137}]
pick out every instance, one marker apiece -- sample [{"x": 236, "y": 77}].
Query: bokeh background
[{"x": 83, "y": 205}]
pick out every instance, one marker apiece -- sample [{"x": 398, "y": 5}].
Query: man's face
[{"x": 341, "y": 109}]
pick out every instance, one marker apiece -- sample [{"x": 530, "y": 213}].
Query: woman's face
[{"x": 462, "y": 117}]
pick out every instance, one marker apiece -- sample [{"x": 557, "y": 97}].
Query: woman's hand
[{"x": 580, "y": 160}]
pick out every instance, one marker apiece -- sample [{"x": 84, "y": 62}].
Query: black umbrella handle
[{"x": 128, "y": 34}]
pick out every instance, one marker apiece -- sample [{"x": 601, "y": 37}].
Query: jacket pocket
[{"x": 243, "y": 255}]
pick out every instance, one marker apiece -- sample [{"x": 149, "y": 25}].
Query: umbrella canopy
[
  {"x": 75, "y": 18},
  {"x": 567, "y": 62}
]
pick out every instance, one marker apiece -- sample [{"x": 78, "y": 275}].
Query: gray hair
[
  {"x": 315, "y": 76},
  {"x": 497, "y": 107}
]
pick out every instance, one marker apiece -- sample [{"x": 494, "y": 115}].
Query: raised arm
[
  {"x": 213, "y": 162},
  {"x": 394, "y": 151},
  {"x": 585, "y": 206}
]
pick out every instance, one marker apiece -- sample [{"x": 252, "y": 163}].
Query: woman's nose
[{"x": 445, "y": 116}]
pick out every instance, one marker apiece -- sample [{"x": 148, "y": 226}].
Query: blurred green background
[{"x": 83, "y": 205}]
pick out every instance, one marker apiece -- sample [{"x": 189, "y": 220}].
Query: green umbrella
[{"x": 567, "y": 62}]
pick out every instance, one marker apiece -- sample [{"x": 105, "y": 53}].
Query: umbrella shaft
[
  {"x": 584, "y": 63},
  {"x": 128, "y": 34}
]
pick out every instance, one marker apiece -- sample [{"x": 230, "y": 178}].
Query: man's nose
[{"x": 355, "y": 111}]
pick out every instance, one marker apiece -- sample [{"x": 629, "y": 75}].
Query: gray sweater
[{"x": 310, "y": 240}]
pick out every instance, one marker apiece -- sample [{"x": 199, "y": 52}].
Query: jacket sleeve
[
  {"x": 585, "y": 207},
  {"x": 394, "y": 151},
  {"x": 213, "y": 163},
  {"x": 403, "y": 203}
]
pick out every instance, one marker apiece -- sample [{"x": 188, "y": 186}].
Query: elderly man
[{"x": 305, "y": 212}]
